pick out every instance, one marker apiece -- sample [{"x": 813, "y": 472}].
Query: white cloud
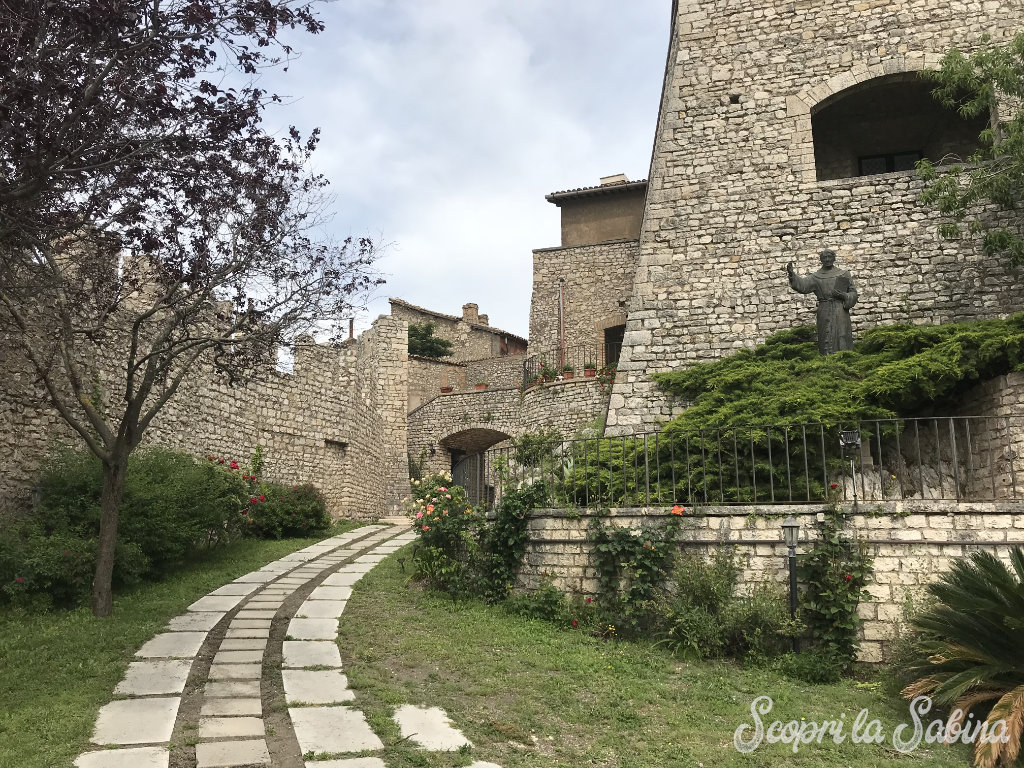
[{"x": 445, "y": 122}]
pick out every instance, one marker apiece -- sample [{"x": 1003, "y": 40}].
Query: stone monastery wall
[
  {"x": 338, "y": 421},
  {"x": 733, "y": 194}
]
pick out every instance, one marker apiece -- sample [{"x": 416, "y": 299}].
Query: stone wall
[
  {"x": 598, "y": 283},
  {"x": 337, "y": 421},
  {"x": 912, "y": 543},
  {"x": 733, "y": 194},
  {"x": 497, "y": 372},
  {"x": 427, "y": 376},
  {"x": 470, "y": 422}
]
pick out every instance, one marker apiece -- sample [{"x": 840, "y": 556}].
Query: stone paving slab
[
  {"x": 136, "y": 757},
  {"x": 230, "y": 727},
  {"x": 194, "y": 622},
  {"x": 430, "y": 728},
  {"x": 223, "y": 754},
  {"x": 352, "y": 762},
  {"x": 235, "y": 671},
  {"x": 256, "y": 577},
  {"x": 220, "y": 603},
  {"x": 236, "y": 589},
  {"x": 179, "y": 645},
  {"x": 238, "y": 657},
  {"x": 313, "y": 629},
  {"x": 252, "y": 613},
  {"x": 136, "y": 721},
  {"x": 250, "y": 633},
  {"x": 231, "y": 707},
  {"x": 321, "y": 609},
  {"x": 482, "y": 764},
  {"x": 310, "y": 653},
  {"x": 341, "y": 579},
  {"x": 315, "y": 687},
  {"x": 331, "y": 593},
  {"x": 332, "y": 729},
  {"x": 151, "y": 678},
  {"x": 243, "y": 644},
  {"x": 249, "y": 624},
  {"x": 239, "y": 689}
]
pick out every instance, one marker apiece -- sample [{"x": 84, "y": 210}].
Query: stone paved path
[{"x": 204, "y": 681}]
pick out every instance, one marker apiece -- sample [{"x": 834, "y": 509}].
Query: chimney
[
  {"x": 618, "y": 178},
  {"x": 483, "y": 320},
  {"x": 469, "y": 313}
]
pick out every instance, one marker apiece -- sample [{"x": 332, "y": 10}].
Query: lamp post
[
  {"x": 848, "y": 440},
  {"x": 791, "y": 534}
]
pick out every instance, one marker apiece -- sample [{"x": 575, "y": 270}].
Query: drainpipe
[{"x": 561, "y": 323}]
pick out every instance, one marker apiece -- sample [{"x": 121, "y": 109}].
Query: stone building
[{"x": 786, "y": 128}]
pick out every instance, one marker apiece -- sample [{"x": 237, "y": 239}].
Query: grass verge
[
  {"x": 527, "y": 693},
  {"x": 57, "y": 669}
]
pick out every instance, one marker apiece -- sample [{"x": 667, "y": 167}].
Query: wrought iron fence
[
  {"x": 575, "y": 361},
  {"x": 940, "y": 458}
]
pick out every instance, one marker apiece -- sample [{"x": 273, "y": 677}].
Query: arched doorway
[{"x": 469, "y": 465}]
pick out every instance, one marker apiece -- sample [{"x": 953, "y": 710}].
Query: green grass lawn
[
  {"x": 57, "y": 669},
  {"x": 527, "y": 693}
]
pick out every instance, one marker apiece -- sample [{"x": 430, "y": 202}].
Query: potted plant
[
  {"x": 481, "y": 385},
  {"x": 446, "y": 390},
  {"x": 567, "y": 371},
  {"x": 590, "y": 369}
]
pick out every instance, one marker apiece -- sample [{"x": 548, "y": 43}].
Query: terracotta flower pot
[
  {"x": 567, "y": 375},
  {"x": 590, "y": 372},
  {"x": 481, "y": 387},
  {"x": 446, "y": 390}
]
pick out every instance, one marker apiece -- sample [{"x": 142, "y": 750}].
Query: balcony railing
[
  {"x": 948, "y": 458},
  {"x": 579, "y": 359}
]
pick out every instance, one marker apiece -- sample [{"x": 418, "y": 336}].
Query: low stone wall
[
  {"x": 498, "y": 372},
  {"x": 912, "y": 544}
]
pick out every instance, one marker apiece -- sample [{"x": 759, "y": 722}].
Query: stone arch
[{"x": 801, "y": 106}]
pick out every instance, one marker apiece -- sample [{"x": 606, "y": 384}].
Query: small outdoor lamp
[
  {"x": 849, "y": 439},
  {"x": 791, "y": 535}
]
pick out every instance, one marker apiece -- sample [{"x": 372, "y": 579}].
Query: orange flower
[
  {"x": 426, "y": 527},
  {"x": 677, "y": 510},
  {"x": 430, "y": 507}
]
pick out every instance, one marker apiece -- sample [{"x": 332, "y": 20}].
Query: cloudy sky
[{"x": 445, "y": 122}]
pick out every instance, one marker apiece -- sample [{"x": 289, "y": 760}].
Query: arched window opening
[{"x": 887, "y": 124}]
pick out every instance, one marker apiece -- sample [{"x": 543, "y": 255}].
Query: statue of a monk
[{"x": 836, "y": 296}]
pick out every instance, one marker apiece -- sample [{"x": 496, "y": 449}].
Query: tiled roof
[
  {"x": 456, "y": 318},
  {"x": 600, "y": 189}
]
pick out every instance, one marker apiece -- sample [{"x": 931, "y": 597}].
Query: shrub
[
  {"x": 817, "y": 666},
  {"x": 546, "y": 603},
  {"x": 276, "y": 511},
  {"x": 836, "y": 569},
  {"x": 448, "y": 530},
  {"x": 173, "y": 507},
  {"x": 757, "y": 627},
  {"x": 969, "y": 648}
]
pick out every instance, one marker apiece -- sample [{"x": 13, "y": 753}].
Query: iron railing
[
  {"x": 549, "y": 365},
  {"x": 940, "y": 458}
]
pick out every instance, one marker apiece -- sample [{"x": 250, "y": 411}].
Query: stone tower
[{"x": 786, "y": 128}]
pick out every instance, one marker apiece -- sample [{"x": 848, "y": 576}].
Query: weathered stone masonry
[
  {"x": 733, "y": 194},
  {"x": 911, "y": 542},
  {"x": 337, "y": 421}
]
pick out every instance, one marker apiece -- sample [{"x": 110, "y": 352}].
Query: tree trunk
[{"x": 110, "y": 505}]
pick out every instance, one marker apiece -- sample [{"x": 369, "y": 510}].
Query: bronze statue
[{"x": 836, "y": 296}]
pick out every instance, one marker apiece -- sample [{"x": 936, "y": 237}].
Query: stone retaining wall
[{"x": 912, "y": 543}]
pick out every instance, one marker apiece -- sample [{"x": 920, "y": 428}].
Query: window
[
  {"x": 902, "y": 161},
  {"x": 887, "y": 124}
]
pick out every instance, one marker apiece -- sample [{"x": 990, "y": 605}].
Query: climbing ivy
[{"x": 632, "y": 571}]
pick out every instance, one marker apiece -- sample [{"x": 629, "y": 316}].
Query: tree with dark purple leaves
[{"x": 149, "y": 223}]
